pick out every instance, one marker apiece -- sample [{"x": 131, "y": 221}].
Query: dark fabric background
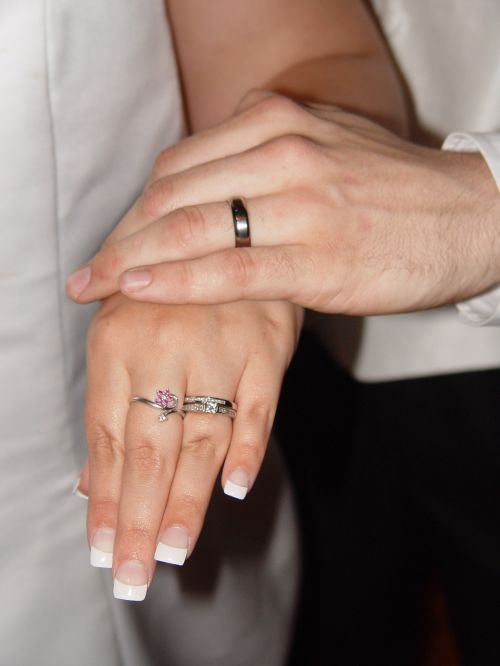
[{"x": 397, "y": 487}]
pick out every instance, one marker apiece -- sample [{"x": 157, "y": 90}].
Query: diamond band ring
[
  {"x": 189, "y": 399},
  {"x": 208, "y": 404},
  {"x": 210, "y": 408}
]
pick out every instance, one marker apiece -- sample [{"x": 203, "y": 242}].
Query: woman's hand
[
  {"x": 151, "y": 481},
  {"x": 345, "y": 217}
]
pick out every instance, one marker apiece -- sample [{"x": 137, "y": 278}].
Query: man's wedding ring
[{"x": 241, "y": 223}]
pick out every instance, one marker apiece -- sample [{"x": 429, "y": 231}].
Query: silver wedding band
[
  {"x": 241, "y": 223},
  {"x": 189, "y": 399},
  {"x": 208, "y": 404}
]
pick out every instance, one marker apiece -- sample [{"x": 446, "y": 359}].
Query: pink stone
[{"x": 164, "y": 398}]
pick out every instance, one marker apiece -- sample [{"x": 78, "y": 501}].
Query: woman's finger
[
  {"x": 205, "y": 442},
  {"x": 108, "y": 392},
  {"x": 151, "y": 452},
  {"x": 257, "y": 399}
]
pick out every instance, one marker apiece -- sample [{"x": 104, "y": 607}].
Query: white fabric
[
  {"x": 449, "y": 55},
  {"x": 484, "y": 309},
  {"x": 89, "y": 95}
]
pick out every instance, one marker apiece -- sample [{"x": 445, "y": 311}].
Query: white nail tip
[
  {"x": 234, "y": 490},
  {"x": 101, "y": 559},
  {"x": 129, "y": 592},
  {"x": 170, "y": 554},
  {"x": 77, "y": 492}
]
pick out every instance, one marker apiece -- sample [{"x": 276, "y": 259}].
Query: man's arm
[{"x": 312, "y": 50}]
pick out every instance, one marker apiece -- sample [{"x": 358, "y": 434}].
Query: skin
[
  {"x": 354, "y": 220},
  {"x": 144, "y": 476}
]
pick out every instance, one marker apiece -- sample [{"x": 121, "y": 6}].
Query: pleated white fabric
[{"x": 89, "y": 95}]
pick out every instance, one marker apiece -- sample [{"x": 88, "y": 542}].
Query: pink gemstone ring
[{"x": 165, "y": 400}]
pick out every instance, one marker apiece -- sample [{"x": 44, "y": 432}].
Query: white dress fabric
[
  {"x": 449, "y": 55},
  {"x": 89, "y": 96}
]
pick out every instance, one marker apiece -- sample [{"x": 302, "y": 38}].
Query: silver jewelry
[
  {"x": 166, "y": 401},
  {"x": 241, "y": 223},
  {"x": 208, "y": 404},
  {"x": 206, "y": 408},
  {"x": 189, "y": 399}
]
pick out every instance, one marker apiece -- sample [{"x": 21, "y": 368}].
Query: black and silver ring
[{"x": 241, "y": 223}]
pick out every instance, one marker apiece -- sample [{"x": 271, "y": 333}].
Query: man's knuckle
[
  {"x": 240, "y": 267},
  {"x": 294, "y": 149},
  {"x": 186, "y": 227},
  {"x": 162, "y": 162},
  {"x": 157, "y": 198},
  {"x": 276, "y": 108}
]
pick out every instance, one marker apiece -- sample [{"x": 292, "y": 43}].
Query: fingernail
[
  {"x": 131, "y": 581},
  {"x": 237, "y": 484},
  {"x": 78, "y": 280},
  {"x": 101, "y": 549},
  {"x": 133, "y": 280},
  {"x": 76, "y": 490},
  {"x": 173, "y": 546}
]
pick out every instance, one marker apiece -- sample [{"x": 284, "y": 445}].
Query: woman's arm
[{"x": 329, "y": 52}]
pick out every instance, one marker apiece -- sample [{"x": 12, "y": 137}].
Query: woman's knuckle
[
  {"x": 251, "y": 452},
  {"x": 134, "y": 537},
  {"x": 147, "y": 457},
  {"x": 105, "y": 449},
  {"x": 186, "y": 508},
  {"x": 103, "y": 508},
  {"x": 203, "y": 446}
]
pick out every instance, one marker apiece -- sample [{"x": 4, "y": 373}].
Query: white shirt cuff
[{"x": 482, "y": 310}]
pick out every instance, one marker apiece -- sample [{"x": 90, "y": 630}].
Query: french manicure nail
[
  {"x": 76, "y": 490},
  {"x": 131, "y": 581},
  {"x": 101, "y": 549},
  {"x": 173, "y": 546},
  {"x": 78, "y": 280},
  {"x": 237, "y": 483},
  {"x": 134, "y": 280}
]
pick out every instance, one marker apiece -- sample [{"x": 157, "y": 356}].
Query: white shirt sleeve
[{"x": 482, "y": 310}]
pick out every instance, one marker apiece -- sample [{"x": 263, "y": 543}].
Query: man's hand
[{"x": 345, "y": 217}]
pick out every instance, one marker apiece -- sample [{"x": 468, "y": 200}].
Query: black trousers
[{"x": 397, "y": 484}]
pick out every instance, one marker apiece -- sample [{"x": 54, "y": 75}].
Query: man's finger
[
  {"x": 193, "y": 232},
  {"x": 261, "y": 117},
  {"x": 229, "y": 275}
]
